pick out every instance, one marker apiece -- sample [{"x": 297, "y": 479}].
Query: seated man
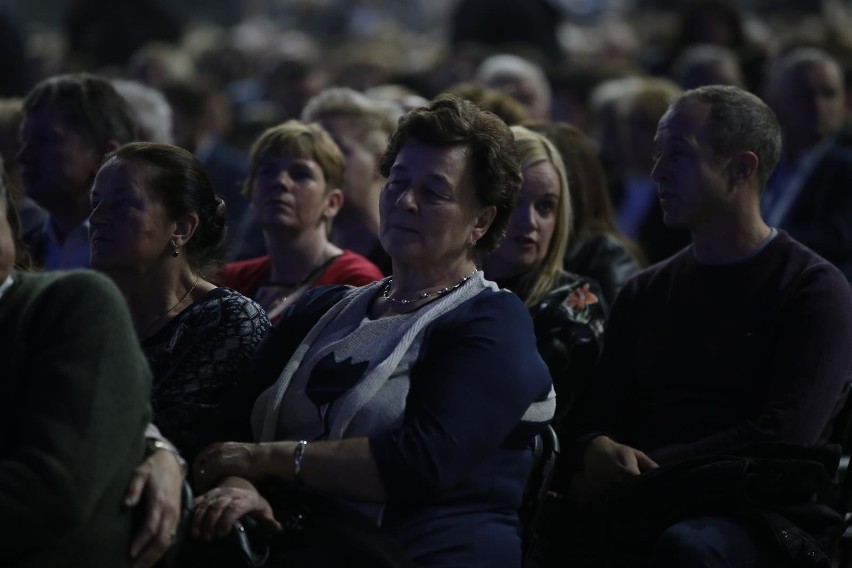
[
  {"x": 73, "y": 410},
  {"x": 741, "y": 338}
]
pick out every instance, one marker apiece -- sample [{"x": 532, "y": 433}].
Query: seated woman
[
  {"x": 73, "y": 411},
  {"x": 567, "y": 309},
  {"x": 295, "y": 173},
  {"x": 157, "y": 229},
  {"x": 596, "y": 248},
  {"x": 414, "y": 398}
]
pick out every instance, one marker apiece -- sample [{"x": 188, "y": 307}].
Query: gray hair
[
  {"x": 505, "y": 64},
  {"x": 739, "y": 121},
  {"x": 152, "y": 111},
  {"x": 376, "y": 119}
]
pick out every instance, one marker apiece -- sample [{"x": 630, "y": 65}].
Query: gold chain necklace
[
  {"x": 173, "y": 308},
  {"x": 423, "y": 295}
]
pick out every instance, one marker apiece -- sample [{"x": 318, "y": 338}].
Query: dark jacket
[{"x": 73, "y": 409}]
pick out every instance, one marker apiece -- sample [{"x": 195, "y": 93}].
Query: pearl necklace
[{"x": 423, "y": 295}]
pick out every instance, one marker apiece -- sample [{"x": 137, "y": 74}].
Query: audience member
[
  {"x": 70, "y": 122},
  {"x": 151, "y": 110},
  {"x": 638, "y": 213},
  {"x": 739, "y": 340},
  {"x": 707, "y": 64},
  {"x": 568, "y": 310},
  {"x": 607, "y": 107},
  {"x": 360, "y": 127},
  {"x": 404, "y": 97},
  {"x": 195, "y": 129},
  {"x": 75, "y": 406},
  {"x": 157, "y": 229},
  {"x": 379, "y": 389},
  {"x": 522, "y": 79},
  {"x": 808, "y": 194},
  {"x": 497, "y": 101},
  {"x": 294, "y": 179},
  {"x": 596, "y": 248}
]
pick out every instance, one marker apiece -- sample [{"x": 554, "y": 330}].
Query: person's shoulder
[
  {"x": 491, "y": 303},
  {"x": 79, "y": 283},
  {"x": 84, "y": 296},
  {"x": 237, "y": 304},
  {"x": 802, "y": 264},
  {"x": 358, "y": 267},
  {"x": 663, "y": 270}
]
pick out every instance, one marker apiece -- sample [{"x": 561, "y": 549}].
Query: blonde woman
[
  {"x": 295, "y": 175},
  {"x": 567, "y": 309}
]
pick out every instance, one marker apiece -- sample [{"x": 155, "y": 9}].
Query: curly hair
[{"x": 452, "y": 121}]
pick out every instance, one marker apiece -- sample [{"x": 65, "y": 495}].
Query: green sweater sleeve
[{"x": 82, "y": 405}]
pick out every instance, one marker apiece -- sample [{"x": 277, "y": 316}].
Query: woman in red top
[{"x": 295, "y": 173}]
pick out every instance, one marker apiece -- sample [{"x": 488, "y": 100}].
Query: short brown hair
[
  {"x": 295, "y": 138},
  {"x": 452, "y": 121}
]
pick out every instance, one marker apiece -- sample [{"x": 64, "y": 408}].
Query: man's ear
[
  {"x": 742, "y": 167},
  {"x": 184, "y": 228}
]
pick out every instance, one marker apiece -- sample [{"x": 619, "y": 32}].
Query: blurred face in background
[
  {"x": 811, "y": 102},
  {"x": 359, "y": 180},
  {"x": 57, "y": 164}
]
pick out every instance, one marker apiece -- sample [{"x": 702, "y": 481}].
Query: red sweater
[{"x": 246, "y": 276}]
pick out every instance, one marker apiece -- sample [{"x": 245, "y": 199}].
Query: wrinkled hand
[
  {"x": 221, "y": 460},
  {"x": 157, "y": 487},
  {"x": 607, "y": 464},
  {"x": 217, "y": 510}
]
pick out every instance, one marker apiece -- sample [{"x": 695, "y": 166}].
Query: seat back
[
  {"x": 545, "y": 454},
  {"x": 842, "y": 435}
]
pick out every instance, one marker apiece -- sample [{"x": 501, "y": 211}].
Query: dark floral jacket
[{"x": 569, "y": 325}]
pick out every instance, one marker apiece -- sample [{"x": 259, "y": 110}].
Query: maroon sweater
[{"x": 699, "y": 358}]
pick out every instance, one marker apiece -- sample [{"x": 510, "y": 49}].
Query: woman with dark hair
[
  {"x": 595, "y": 246},
  {"x": 157, "y": 229},
  {"x": 413, "y": 399}
]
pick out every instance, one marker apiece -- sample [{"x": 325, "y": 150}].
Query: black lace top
[{"x": 196, "y": 358}]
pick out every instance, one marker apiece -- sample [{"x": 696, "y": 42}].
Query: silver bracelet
[{"x": 297, "y": 460}]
